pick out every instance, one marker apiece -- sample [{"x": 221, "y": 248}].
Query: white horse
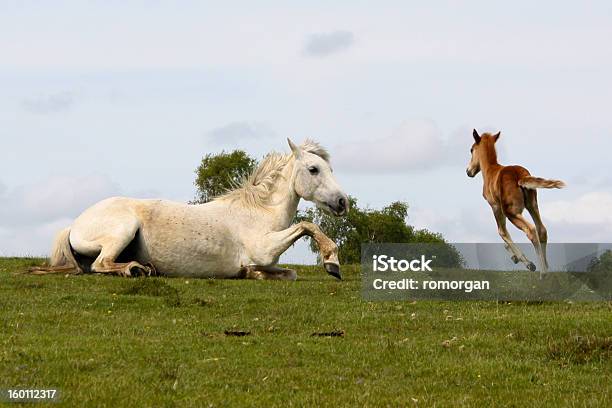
[{"x": 238, "y": 235}]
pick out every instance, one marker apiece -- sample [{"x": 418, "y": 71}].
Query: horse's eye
[
  {"x": 472, "y": 150},
  {"x": 313, "y": 170}
]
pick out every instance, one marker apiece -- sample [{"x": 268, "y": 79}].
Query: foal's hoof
[
  {"x": 514, "y": 259},
  {"x": 333, "y": 269},
  {"x": 531, "y": 266}
]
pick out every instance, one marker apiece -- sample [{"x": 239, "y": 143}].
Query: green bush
[
  {"x": 218, "y": 173},
  {"x": 377, "y": 226},
  {"x": 602, "y": 264}
]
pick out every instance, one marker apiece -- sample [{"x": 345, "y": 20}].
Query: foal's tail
[
  {"x": 531, "y": 183},
  {"x": 61, "y": 254}
]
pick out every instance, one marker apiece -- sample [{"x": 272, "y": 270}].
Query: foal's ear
[
  {"x": 476, "y": 136},
  {"x": 295, "y": 149},
  {"x": 496, "y": 136}
]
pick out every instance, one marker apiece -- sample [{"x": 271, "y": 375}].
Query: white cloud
[
  {"x": 53, "y": 198},
  {"x": 30, "y": 240},
  {"x": 238, "y": 131},
  {"x": 569, "y": 34},
  {"x": 50, "y": 103},
  {"x": 325, "y": 44},
  {"x": 591, "y": 208},
  {"x": 414, "y": 146},
  {"x": 587, "y": 218},
  {"x": 462, "y": 226},
  {"x": 31, "y": 215}
]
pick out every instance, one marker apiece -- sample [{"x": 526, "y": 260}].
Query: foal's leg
[
  {"x": 500, "y": 219},
  {"x": 518, "y": 255},
  {"x": 274, "y": 244},
  {"x": 521, "y": 223},
  {"x": 531, "y": 203},
  {"x": 513, "y": 257}
]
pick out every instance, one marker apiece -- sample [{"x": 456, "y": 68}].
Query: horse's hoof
[
  {"x": 333, "y": 269},
  {"x": 151, "y": 270},
  {"x": 515, "y": 259},
  {"x": 531, "y": 266}
]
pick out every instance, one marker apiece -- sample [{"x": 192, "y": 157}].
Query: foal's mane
[
  {"x": 490, "y": 151},
  {"x": 256, "y": 188}
]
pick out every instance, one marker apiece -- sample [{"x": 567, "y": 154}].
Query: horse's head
[
  {"x": 479, "y": 148},
  {"x": 314, "y": 180}
]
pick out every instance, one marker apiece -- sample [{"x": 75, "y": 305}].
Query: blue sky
[{"x": 101, "y": 98}]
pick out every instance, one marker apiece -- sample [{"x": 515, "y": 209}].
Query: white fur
[{"x": 248, "y": 226}]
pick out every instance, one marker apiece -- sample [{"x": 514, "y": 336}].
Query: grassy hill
[{"x": 108, "y": 341}]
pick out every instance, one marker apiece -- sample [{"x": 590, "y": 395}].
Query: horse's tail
[
  {"x": 531, "y": 183},
  {"x": 61, "y": 254}
]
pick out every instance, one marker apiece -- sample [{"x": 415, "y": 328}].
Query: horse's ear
[
  {"x": 476, "y": 136},
  {"x": 295, "y": 149},
  {"x": 496, "y": 136}
]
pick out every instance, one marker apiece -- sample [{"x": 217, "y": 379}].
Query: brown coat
[{"x": 509, "y": 190}]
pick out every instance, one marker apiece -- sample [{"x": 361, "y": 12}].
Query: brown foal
[{"x": 509, "y": 190}]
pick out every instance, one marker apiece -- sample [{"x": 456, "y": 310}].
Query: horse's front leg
[{"x": 274, "y": 244}]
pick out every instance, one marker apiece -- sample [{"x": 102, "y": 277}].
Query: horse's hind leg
[
  {"x": 521, "y": 223},
  {"x": 111, "y": 245},
  {"x": 517, "y": 254},
  {"x": 62, "y": 258},
  {"x": 105, "y": 262},
  {"x": 531, "y": 203},
  {"x": 514, "y": 258},
  {"x": 47, "y": 270},
  {"x": 269, "y": 273}
]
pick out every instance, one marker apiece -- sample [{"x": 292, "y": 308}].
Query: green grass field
[{"x": 110, "y": 342}]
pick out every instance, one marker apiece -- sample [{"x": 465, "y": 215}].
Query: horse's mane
[
  {"x": 313, "y": 147},
  {"x": 255, "y": 189}
]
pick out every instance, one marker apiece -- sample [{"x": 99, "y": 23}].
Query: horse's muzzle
[
  {"x": 340, "y": 207},
  {"x": 333, "y": 269}
]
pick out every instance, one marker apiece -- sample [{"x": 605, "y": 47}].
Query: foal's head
[
  {"x": 482, "y": 145},
  {"x": 314, "y": 180}
]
